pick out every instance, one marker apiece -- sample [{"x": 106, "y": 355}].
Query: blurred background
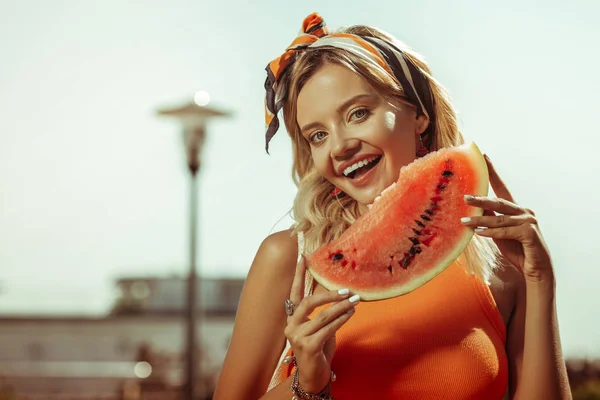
[{"x": 95, "y": 192}]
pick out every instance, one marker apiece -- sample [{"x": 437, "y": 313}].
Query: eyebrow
[{"x": 339, "y": 110}]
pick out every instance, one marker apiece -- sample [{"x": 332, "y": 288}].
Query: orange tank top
[{"x": 445, "y": 340}]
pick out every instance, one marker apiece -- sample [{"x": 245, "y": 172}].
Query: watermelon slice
[{"x": 411, "y": 232}]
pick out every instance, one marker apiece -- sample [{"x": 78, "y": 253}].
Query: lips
[
  {"x": 342, "y": 167},
  {"x": 365, "y": 175},
  {"x": 364, "y": 169}
]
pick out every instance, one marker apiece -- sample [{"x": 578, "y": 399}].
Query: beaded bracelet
[{"x": 301, "y": 394}]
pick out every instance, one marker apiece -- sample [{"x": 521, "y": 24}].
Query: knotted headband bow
[{"x": 314, "y": 34}]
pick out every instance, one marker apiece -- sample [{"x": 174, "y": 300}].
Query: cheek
[
  {"x": 403, "y": 151},
  {"x": 321, "y": 162},
  {"x": 398, "y": 140},
  {"x": 392, "y": 127},
  {"x": 390, "y": 132},
  {"x": 390, "y": 120}
]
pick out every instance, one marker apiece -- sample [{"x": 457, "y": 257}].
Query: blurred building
[
  {"x": 167, "y": 296},
  {"x": 138, "y": 345}
]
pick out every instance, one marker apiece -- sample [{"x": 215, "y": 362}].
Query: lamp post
[{"x": 193, "y": 118}]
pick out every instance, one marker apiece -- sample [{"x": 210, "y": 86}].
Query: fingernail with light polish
[
  {"x": 354, "y": 299},
  {"x": 480, "y": 229},
  {"x": 469, "y": 197},
  {"x": 343, "y": 292},
  {"x": 465, "y": 220}
]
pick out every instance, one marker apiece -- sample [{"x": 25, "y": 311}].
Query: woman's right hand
[{"x": 313, "y": 340}]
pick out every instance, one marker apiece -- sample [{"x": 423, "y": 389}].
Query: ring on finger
[{"x": 290, "y": 307}]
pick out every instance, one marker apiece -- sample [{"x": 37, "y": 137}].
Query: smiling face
[{"x": 358, "y": 140}]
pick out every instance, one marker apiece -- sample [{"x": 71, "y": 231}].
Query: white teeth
[{"x": 358, "y": 165}]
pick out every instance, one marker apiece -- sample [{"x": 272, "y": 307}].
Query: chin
[{"x": 368, "y": 195}]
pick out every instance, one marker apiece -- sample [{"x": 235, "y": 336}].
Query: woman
[{"x": 484, "y": 328}]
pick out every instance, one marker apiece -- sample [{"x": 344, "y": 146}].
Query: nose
[{"x": 343, "y": 147}]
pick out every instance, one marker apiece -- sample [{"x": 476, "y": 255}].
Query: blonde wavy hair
[{"x": 323, "y": 218}]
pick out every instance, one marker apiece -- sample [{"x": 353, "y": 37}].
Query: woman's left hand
[{"x": 514, "y": 229}]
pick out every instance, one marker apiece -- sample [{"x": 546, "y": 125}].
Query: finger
[
  {"x": 324, "y": 317},
  {"x": 497, "y": 183},
  {"x": 308, "y": 304},
  {"x": 495, "y": 204},
  {"x": 497, "y": 221},
  {"x": 522, "y": 233},
  {"x": 489, "y": 213},
  {"x": 297, "y": 291},
  {"x": 329, "y": 330}
]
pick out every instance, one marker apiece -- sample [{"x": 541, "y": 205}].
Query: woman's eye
[
  {"x": 317, "y": 136},
  {"x": 361, "y": 113}
]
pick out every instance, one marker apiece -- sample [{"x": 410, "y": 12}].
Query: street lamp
[{"x": 193, "y": 118}]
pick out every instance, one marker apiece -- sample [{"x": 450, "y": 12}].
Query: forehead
[{"x": 326, "y": 89}]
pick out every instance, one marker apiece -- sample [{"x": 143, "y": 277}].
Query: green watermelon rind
[{"x": 481, "y": 189}]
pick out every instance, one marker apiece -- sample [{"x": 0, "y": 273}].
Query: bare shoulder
[
  {"x": 276, "y": 255},
  {"x": 258, "y": 334}
]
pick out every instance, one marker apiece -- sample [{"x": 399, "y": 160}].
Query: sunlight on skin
[{"x": 370, "y": 125}]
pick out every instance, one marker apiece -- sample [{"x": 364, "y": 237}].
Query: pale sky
[{"x": 93, "y": 184}]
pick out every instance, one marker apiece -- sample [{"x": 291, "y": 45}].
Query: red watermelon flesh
[{"x": 411, "y": 232}]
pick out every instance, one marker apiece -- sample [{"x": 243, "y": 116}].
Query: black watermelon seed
[
  {"x": 428, "y": 211},
  {"x": 338, "y": 256},
  {"x": 389, "y": 268},
  {"x": 405, "y": 262},
  {"x": 412, "y": 251},
  {"x": 418, "y": 233},
  {"x": 425, "y": 218},
  {"x": 441, "y": 187},
  {"x": 447, "y": 173},
  {"x": 417, "y": 249},
  {"x": 414, "y": 240},
  {"x": 420, "y": 224}
]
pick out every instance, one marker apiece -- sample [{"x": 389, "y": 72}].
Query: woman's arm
[
  {"x": 258, "y": 336},
  {"x": 537, "y": 368}
]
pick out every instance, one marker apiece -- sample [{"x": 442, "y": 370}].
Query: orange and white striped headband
[{"x": 382, "y": 53}]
